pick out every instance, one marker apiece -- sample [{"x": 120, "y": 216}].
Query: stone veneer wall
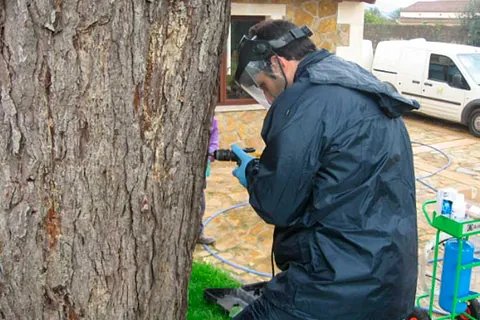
[
  {"x": 319, "y": 15},
  {"x": 242, "y": 128}
]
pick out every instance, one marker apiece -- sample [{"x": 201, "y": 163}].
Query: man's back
[{"x": 346, "y": 233}]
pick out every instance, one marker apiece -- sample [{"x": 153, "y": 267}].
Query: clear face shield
[
  {"x": 261, "y": 82},
  {"x": 258, "y": 73}
]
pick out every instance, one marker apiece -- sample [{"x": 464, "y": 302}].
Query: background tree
[
  {"x": 471, "y": 22},
  {"x": 105, "y": 110},
  {"x": 374, "y": 16},
  {"x": 395, "y": 15}
]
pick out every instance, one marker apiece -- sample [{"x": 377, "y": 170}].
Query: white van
[{"x": 444, "y": 78}]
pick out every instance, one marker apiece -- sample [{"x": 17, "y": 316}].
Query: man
[{"x": 336, "y": 179}]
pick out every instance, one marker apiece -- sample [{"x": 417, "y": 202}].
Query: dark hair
[{"x": 273, "y": 29}]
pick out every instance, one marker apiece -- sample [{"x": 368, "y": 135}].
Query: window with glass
[
  {"x": 443, "y": 69},
  {"x": 471, "y": 62},
  {"x": 230, "y": 92}
]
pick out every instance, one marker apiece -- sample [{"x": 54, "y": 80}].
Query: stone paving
[{"x": 242, "y": 237}]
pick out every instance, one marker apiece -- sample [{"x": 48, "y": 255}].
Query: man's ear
[{"x": 278, "y": 61}]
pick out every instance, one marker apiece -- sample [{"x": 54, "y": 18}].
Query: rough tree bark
[{"x": 105, "y": 111}]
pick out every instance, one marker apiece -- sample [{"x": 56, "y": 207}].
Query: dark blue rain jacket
[{"x": 336, "y": 179}]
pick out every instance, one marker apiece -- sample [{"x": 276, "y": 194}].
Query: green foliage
[
  {"x": 395, "y": 15},
  {"x": 374, "y": 16},
  {"x": 205, "y": 276},
  {"x": 471, "y": 22}
]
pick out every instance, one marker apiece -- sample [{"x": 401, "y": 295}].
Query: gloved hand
[{"x": 245, "y": 159}]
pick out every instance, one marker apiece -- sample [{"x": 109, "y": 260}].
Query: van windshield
[{"x": 471, "y": 62}]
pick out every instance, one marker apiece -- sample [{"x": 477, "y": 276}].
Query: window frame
[
  {"x": 450, "y": 65},
  {"x": 222, "y": 92}
]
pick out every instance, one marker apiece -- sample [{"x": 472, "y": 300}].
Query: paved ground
[{"x": 245, "y": 239}]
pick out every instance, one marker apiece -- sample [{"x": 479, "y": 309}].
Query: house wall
[
  {"x": 430, "y": 15},
  {"x": 430, "y": 18},
  {"x": 430, "y": 22},
  {"x": 318, "y": 15},
  {"x": 351, "y": 18},
  {"x": 243, "y": 124},
  {"x": 242, "y": 128}
]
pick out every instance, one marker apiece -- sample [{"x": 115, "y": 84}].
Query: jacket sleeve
[{"x": 280, "y": 183}]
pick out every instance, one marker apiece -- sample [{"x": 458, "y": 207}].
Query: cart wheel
[
  {"x": 419, "y": 314},
  {"x": 473, "y": 309}
]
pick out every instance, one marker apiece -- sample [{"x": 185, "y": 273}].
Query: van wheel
[{"x": 474, "y": 123}]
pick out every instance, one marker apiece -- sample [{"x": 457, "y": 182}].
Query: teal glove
[
  {"x": 245, "y": 159},
  {"x": 207, "y": 173}
]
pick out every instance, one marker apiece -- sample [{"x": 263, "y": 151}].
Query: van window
[
  {"x": 443, "y": 69},
  {"x": 471, "y": 63}
]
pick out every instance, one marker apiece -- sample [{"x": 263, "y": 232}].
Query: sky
[{"x": 391, "y": 5}]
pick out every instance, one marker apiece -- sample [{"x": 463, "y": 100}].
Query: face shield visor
[
  {"x": 261, "y": 82},
  {"x": 256, "y": 73}
]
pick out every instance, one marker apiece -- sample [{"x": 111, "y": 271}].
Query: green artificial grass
[{"x": 204, "y": 275}]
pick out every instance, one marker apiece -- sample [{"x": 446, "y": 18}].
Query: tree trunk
[{"x": 106, "y": 108}]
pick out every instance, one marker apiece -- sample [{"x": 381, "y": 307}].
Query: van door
[
  {"x": 411, "y": 71},
  {"x": 444, "y": 89}
]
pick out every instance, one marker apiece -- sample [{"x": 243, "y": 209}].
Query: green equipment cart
[{"x": 461, "y": 231}]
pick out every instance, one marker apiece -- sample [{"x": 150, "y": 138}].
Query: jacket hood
[{"x": 322, "y": 67}]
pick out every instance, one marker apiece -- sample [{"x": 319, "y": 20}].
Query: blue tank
[{"x": 447, "y": 285}]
